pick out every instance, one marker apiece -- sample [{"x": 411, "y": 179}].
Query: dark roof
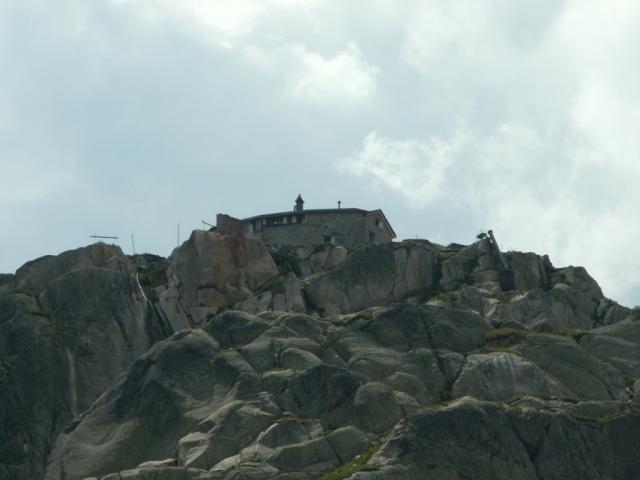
[
  {"x": 327, "y": 210},
  {"x": 320, "y": 210}
]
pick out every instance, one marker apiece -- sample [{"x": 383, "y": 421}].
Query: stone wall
[
  {"x": 344, "y": 228},
  {"x": 375, "y": 231},
  {"x": 228, "y": 225}
]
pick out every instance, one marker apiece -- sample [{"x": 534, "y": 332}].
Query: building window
[
  {"x": 276, "y": 220},
  {"x": 372, "y": 237}
]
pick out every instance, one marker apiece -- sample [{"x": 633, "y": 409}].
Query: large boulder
[
  {"x": 374, "y": 275},
  {"x": 531, "y": 271},
  {"x": 210, "y": 272},
  {"x": 305, "y": 261},
  {"x": 559, "y": 308},
  {"x": 474, "y": 263},
  {"x": 584, "y": 374},
  {"x": 101, "y": 335},
  {"x": 286, "y": 395},
  {"x": 503, "y": 376},
  {"x": 478, "y": 263},
  {"x": 617, "y": 344},
  {"x": 35, "y": 400},
  {"x": 60, "y": 350},
  {"x": 282, "y": 293},
  {"x": 37, "y": 274},
  {"x": 143, "y": 415},
  {"x": 485, "y": 441}
]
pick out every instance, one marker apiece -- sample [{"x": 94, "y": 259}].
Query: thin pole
[{"x": 133, "y": 244}]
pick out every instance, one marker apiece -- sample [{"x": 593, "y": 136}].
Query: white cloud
[
  {"x": 537, "y": 195},
  {"x": 546, "y": 93},
  {"x": 343, "y": 77},
  {"x": 414, "y": 168},
  {"x": 220, "y": 19},
  {"x": 549, "y": 155},
  {"x": 216, "y": 22},
  {"x": 308, "y": 76},
  {"x": 316, "y": 80}
]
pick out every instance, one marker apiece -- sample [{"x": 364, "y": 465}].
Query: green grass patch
[
  {"x": 609, "y": 418},
  {"x": 157, "y": 276},
  {"x": 503, "y": 349},
  {"x": 358, "y": 464},
  {"x": 502, "y": 333},
  {"x": 570, "y": 332},
  {"x": 629, "y": 381},
  {"x": 494, "y": 349},
  {"x": 275, "y": 285},
  {"x": 444, "y": 297},
  {"x": 23, "y": 291},
  {"x": 150, "y": 293},
  {"x": 151, "y": 279},
  {"x": 507, "y": 298},
  {"x": 365, "y": 314},
  {"x": 501, "y": 340},
  {"x": 288, "y": 418}
]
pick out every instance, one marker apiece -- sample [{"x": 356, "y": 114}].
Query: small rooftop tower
[{"x": 299, "y": 204}]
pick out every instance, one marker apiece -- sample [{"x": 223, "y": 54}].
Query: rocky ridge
[{"x": 231, "y": 360}]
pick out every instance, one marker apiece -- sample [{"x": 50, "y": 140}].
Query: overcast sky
[{"x": 127, "y": 117}]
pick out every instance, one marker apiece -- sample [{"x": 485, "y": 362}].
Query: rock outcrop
[
  {"x": 375, "y": 275},
  {"x": 60, "y": 349},
  {"x": 292, "y": 396},
  {"x": 526, "y": 439},
  {"x": 210, "y": 272},
  {"x": 37, "y": 274},
  {"x": 230, "y": 360},
  {"x": 7, "y": 283}
]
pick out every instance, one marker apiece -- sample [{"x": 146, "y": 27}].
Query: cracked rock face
[
  {"x": 210, "y": 272},
  {"x": 233, "y": 361},
  {"x": 62, "y": 347},
  {"x": 375, "y": 275},
  {"x": 380, "y": 382}
]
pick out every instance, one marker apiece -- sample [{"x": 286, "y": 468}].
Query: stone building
[{"x": 344, "y": 226}]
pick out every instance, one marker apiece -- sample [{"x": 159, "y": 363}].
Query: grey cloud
[{"x": 120, "y": 120}]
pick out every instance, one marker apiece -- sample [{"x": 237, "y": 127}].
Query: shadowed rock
[{"x": 374, "y": 275}]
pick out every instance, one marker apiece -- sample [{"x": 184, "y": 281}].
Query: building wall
[
  {"x": 344, "y": 228},
  {"x": 312, "y": 228},
  {"x": 226, "y": 224},
  {"x": 375, "y": 231}
]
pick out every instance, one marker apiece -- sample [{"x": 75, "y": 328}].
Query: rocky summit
[{"x": 236, "y": 360}]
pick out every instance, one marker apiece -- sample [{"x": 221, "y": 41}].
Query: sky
[{"x": 129, "y": 117}]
